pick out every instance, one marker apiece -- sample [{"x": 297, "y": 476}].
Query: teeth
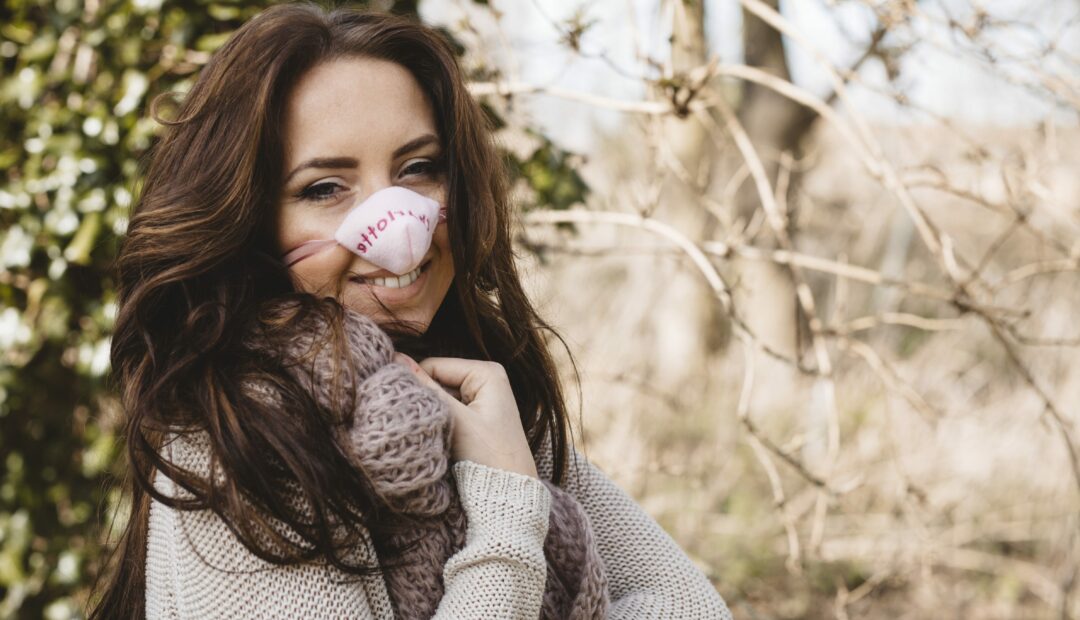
[{"x": 397, "y": 281}]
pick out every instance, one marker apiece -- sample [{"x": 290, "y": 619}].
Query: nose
[
  {"x": 372, "y": 184},
  {"x": 390, "y": 228}
]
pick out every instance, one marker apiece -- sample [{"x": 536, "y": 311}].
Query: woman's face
[{"x": 352, "y": 127}]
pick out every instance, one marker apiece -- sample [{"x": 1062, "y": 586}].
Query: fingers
[
  {"x": 401, "y": 358},
  {"x": 487, "y": 425},
  {"x": 426, "y": 379},
  {"x": 468, "y": 376},
  {"x": 446, "y": 370}
]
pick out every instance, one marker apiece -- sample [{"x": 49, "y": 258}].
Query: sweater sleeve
[
  {"x": 197, "y": 569},
  {"x": 501, "y": 570},
  {"x": 649, "y": 576}
]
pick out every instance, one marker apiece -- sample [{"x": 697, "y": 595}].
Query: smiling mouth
[{"x": 393, "y": 281}]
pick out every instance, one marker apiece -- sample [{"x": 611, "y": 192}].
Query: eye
[
  {"x": 320, "y": 191},
  {"x": 423, "y": 167}
]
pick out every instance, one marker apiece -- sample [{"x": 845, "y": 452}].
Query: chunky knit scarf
[{"x": 400, "y": 438}]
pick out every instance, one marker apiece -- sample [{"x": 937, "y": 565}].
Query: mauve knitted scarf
[{"x": 400, "y": 438}]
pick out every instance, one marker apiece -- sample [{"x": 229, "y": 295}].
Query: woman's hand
[{"x": 487, "y": 426}]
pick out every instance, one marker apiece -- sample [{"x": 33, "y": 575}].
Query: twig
[{"x": 757, "y": 442}]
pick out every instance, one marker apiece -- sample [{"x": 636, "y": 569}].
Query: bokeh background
[{"x": 817, "y": 261}]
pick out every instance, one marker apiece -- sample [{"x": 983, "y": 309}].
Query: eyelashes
[
  {"x": 429, "y": 167},
  {"x": 325, "y": 191},
  {"x": 319, "y": 192}
]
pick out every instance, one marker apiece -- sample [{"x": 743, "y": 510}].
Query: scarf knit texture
[{"x": 400, "y": 438}]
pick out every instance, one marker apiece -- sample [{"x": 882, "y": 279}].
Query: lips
[{"x": 382, "y": 273}]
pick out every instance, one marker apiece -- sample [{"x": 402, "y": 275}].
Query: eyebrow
[
  {"x": 323, "y": 162},
  {"x": 349, "y": 162},
  {"x": 415, "y": 144}
]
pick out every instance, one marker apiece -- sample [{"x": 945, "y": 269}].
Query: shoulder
[
  {"x": 649, "y": 575},
  {"x": 186, "y": 450},
  {"x": 196, "y": 567},
  {"x": 580, "y": 475}
]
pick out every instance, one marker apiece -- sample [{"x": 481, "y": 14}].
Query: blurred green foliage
[
  {"x": 552, "y": 176},
  {"x": 76, "y": 78}
]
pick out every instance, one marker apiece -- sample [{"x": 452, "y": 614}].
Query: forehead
[{"x": 353, "y": 107}]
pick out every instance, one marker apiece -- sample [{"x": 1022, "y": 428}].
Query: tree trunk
[
  {"x": 777, "y": 127},
  {"x": 687, "y": 318}
]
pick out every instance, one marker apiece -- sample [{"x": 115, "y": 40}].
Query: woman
[{"x": 246, "y": 500}]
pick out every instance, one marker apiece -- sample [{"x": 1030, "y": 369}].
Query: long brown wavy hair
[{"x": 199, "y": 265}]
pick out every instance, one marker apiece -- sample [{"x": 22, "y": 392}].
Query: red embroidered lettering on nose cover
[{"x": 392, "y": 229}]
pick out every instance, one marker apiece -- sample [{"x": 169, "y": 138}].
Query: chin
[
  {"x": 410, "y": 318},
  {"x": 418, "y": 323},
  {"x": 412, "y": 304}
]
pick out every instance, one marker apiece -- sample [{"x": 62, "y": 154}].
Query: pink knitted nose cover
[{"x": 392, "y": 229}]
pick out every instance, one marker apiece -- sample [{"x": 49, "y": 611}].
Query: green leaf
[{"x": 78, "y": 251}]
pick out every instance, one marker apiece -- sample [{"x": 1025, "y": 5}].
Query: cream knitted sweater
[{"x": 196, "y": 569}]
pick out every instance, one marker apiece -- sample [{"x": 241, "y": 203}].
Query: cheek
[
  {"x": 441, "y": 239},
  {"x": 322, "y": 272},
  {"x": 295, "y": 226},
  {"x": 444, "y": 276}
]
